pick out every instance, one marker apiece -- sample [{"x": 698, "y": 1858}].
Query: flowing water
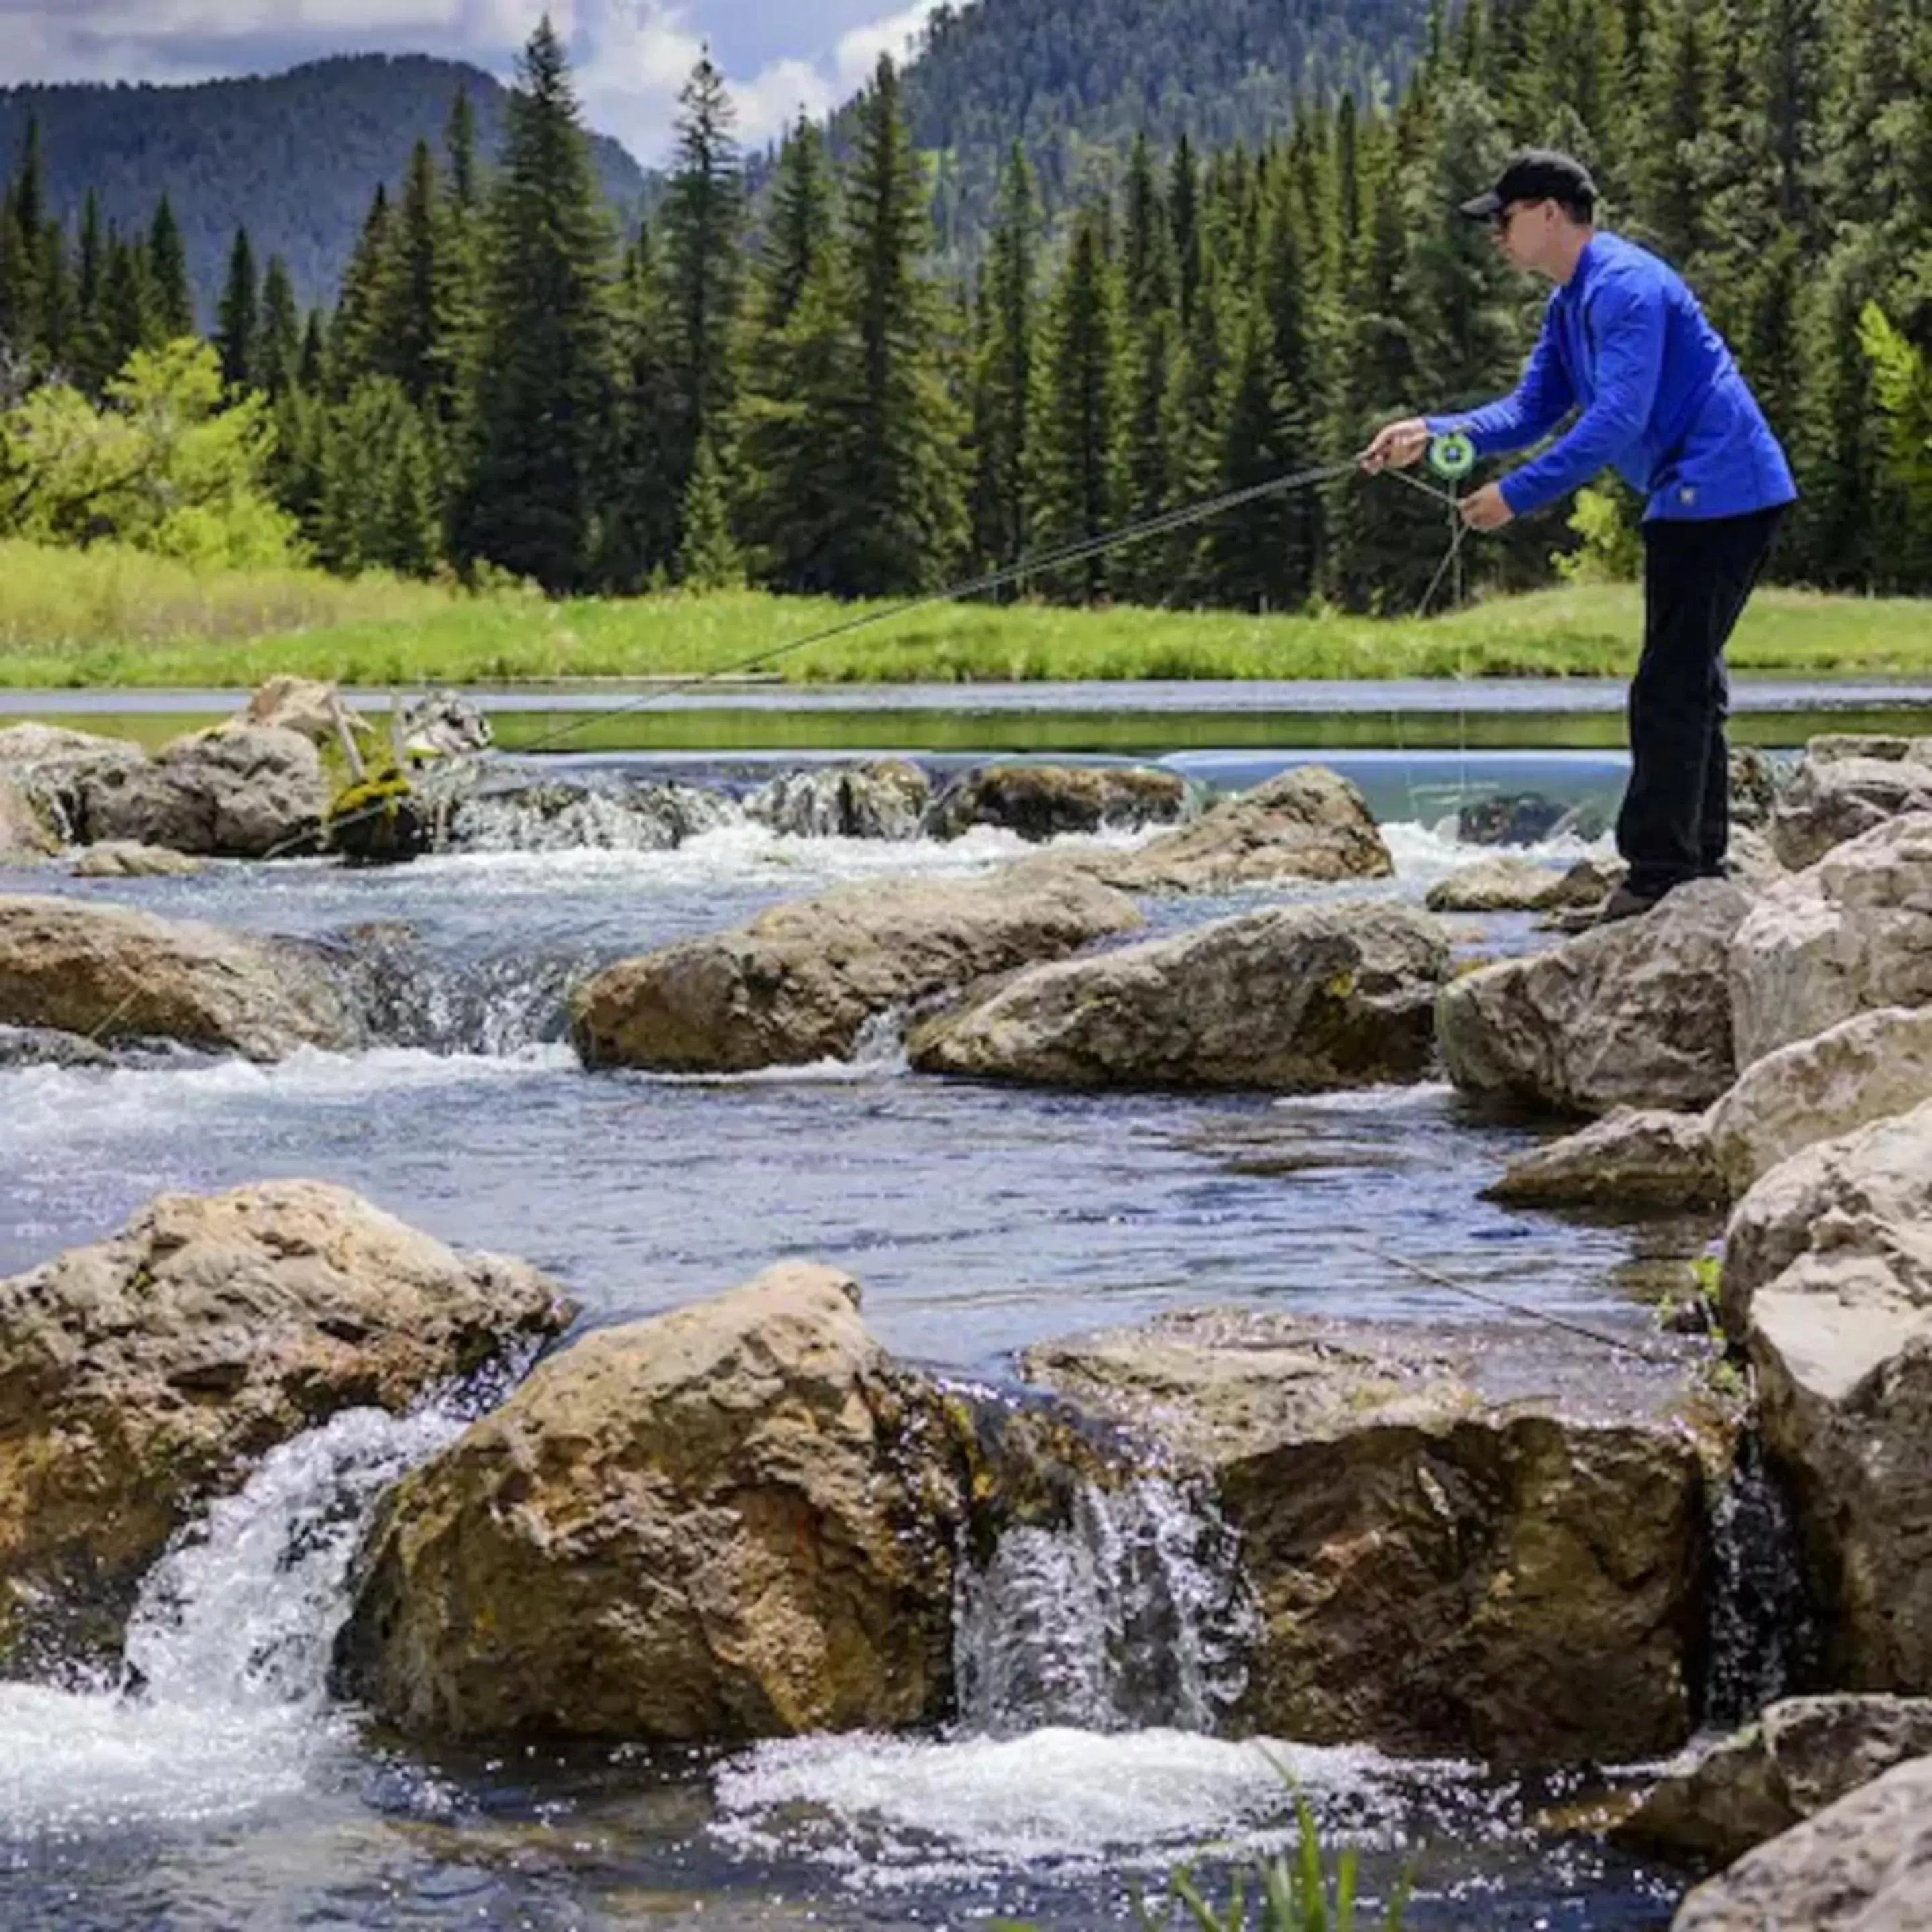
[{"x": 220, "y": 1787}]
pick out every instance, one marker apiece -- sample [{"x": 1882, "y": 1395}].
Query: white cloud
[{"x": 858, "y": 49}]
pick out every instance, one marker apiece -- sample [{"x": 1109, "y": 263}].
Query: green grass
[{"x": 104, "y": 617}]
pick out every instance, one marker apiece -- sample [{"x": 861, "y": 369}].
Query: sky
[{"x": 630, "y": 56}]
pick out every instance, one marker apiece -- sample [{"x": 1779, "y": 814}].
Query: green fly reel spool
[{"x": 1452, "y": 457}]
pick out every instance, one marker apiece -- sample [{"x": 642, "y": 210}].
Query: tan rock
[
  {"x": 798, "y": 983},
  {"x": 1296, "y": 998},
  {"x": 24, "y": 837},
  {"x": 1479, "y": 1541},
  {"x": 114, "y": 974},
  {"x": 1863, "y": 1864},
  {"x": 303, "y": 705},
  {"x": 1635, "y": 1014},
  {"x": 733, "y": 1521},
  {"x": 1804, "y": 1753},
  {"x": 116, "y": 859},
  {"x": 1500, "y": 883},
  {"x": 1852, "y": 933},
  {"x": 1842, "y": 788},
  {"x": 1859, "y": 1071},
  {"x": 143, "y": 1375},
  {"x": 245, "y": 791},
  {"x": 1636, "y": 1160},
  {"x": 49, "y": 764},
  {"x": 1050, "y": 801},
  {"x": 1827, "y": 1275},
  {"x": 1307, "y": 824}
]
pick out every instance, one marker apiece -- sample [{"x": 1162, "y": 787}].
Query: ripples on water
[{"x": 230, "y": 1792}]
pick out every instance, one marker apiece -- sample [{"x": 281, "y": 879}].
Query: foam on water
[
  {"x": 228, "y": 1649},
  {"x": 1426, "y": 852},
  {"x": 897, "y": 1811}
]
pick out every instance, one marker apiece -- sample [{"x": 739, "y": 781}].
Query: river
[{"x": 234, "y": 1792}]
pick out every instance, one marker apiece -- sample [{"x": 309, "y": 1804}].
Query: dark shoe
[{"x": 1623, "y": 904}]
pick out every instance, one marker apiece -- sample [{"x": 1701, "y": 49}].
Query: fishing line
[
  {"x": 1078, "y": 551},
  {"x": 1490, "y": 1300}
]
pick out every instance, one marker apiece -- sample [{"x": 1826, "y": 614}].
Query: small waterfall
[
  {"x": 1762, "y": 1639},
  {"x": 652, "y": 816},
  {"x": 244, "y": 1610},
  {"x": 1133, "y": 1615},
  {"x": 409, "y": 996}
]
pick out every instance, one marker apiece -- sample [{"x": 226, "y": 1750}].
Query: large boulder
[
  {"x": 734, "y": 1521},
  {"x": 244, "y": 791},
  {"x": 1863, "y": 1864},
  {"x": 50, "y": 765},
  {"x": 886, "y": 799},
  {"x": 143, "y": 1375},
  {"x": 1843, "y": 788},
  {"x": 1722, "y": 1799},
  {"x": 1307, "y": 824},
  {"x": 1471, "y": 1541},
  {"x": 1827, "y": 1275},
  {"x": 798, "y": 983},
  {"x": 1634, "y": 1014},
  {"x": 305, "y": 705},
  {"x": 1294, "y": 998},
  {"x": 112, "y": 974},
  {"x": 1852, "y": 933},
  {"x": 1049, "y": 801},
  {"x": 1861, "y": 1070},
  {"x": 1634, "y": 1160}
]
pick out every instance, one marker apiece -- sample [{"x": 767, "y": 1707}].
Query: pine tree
[
  {"x": 92, "y": 367},
  {"x": 459, "y": 151},
  {"x": 238, "y": 328},
  {"x": 1148, "y": 263},
  {"x": 281, "y": 345},
  {"x": 311, "y": 369},
  {"x": 409, "y": 287},
  {"x": 702, "y": 223},
  {"x": 127, "y": 320},
  {"x": 377, "y": 506},
  {"x": 1080, "y": 471},
  {"x": 355, "y": 348},
  {"x": 1005, "y": 380},
  {"x": 1183, "y": 215},
  {"x": 22, "y": 218},
  {"x": 641, "y": 536},
  {"x": 168, "y": 293},
  {"x": 59, "y": 303},
  {"x": 799, "y": 234},
  {"x": 529, "y": 499},
  {"x": 896, "y": 455},
  {"x": 708, "y": 556}
]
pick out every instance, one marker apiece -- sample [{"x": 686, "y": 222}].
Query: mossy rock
[{"x": 378, "y": 820}]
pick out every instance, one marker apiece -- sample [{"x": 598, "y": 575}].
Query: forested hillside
[
  {"x": 293, "y": 158},
  {"x": 814, "y": 404},
  {"x": 1076, "y": 81}
]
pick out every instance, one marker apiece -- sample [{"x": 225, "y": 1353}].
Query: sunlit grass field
[{"x": 114, "y": 618}]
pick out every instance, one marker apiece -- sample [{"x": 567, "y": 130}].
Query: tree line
[{"x": 785, "y": 389}]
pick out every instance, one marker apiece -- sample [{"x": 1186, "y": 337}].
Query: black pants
[{"x": 1675, "y": 823}]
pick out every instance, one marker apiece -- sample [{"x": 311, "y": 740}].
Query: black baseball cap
[{"x": 1536, "y": 174}]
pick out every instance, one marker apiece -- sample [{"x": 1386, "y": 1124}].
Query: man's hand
[
  {"x": 1397, "y": 446},
  {"x": 1486, "y": 509}
]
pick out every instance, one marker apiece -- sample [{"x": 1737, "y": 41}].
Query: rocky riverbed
[{"x": 1050, "y": 1310}]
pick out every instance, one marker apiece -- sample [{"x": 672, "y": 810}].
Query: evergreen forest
[{"x": 792, "y": 390}]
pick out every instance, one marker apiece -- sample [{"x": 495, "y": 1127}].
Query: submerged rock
[
  {"x": 241, "y": 791},
  {"x": 798, "y": 983},
  {"x": 1859, "y": 1071},
  {"x": 117, "y": 859},
  {"x": 1298, "y": 998},
  {"x": 887, "y": 799},
  {"x": 1803, "y": 1754},
  {"x": 1441, "y": 1564},
  {"x": 1040, "y": 802},
  {"x": 47, "y": 1046},
  {"x": 1636, "y": 1014},
  {"x": 734, "y": 1521},
  {"x": 1863, "y": 1864},
  {"x": 143, "y": 1375},
  {"x": 556, "y": 815},
  {"x": 1307, "y": 824},
  {"x": 1828, "y": 1277},
  {"x": 1639, "y": 1160},
  {"x": 1852, "y": 933},
  {"x": 1519, "y": 818},
  {"x": 112, "y": 973}
]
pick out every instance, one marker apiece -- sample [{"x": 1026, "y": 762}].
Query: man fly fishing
[{"x": 1625, "y": 342}]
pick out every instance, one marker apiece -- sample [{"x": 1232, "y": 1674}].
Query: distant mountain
[
  {"x": 295, "y": 157},
  {"x": 1076, "y": 80}
]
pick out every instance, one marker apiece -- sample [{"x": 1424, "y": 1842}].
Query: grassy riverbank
[{"x": 107, "y": 618}]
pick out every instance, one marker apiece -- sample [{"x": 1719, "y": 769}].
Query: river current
[{"x": 233, "y": 1792}]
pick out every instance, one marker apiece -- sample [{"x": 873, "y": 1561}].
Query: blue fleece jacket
[{"x": 1624, "y": 341}]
